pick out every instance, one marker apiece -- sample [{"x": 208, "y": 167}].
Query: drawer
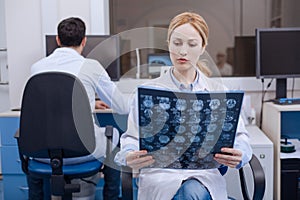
[
  {"x": 15, "y": 187},
  {"x": 11, "y": 163},
  {"x": 8, "y": 128}
]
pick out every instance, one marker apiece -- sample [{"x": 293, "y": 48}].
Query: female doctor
[{"x": 187, "y": 40}]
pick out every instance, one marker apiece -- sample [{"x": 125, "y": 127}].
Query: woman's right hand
[{"x": 138, "y": 159}]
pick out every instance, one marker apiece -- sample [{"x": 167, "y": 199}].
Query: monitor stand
[
  {"x": 281, "y": 88},
  {"x": 281, "y": 93}
]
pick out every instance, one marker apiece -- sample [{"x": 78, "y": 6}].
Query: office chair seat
[{"x": 80, "y": 170}]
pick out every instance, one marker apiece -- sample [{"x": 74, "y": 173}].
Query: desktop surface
[{"x": 286, "y": 101}]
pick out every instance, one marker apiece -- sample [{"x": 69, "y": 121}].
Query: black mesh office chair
[
  {"x": 56, "y": 122},
  {"x": 257, "y": 172}
]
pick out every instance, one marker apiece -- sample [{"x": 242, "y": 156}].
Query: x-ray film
[{"x": 184, "y": 130}]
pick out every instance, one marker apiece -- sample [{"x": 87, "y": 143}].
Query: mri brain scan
[{"x": 186, "y": 130}]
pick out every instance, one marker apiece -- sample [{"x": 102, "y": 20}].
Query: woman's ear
[
  {"x": 202, "y": 50},
  {"x": 58, "y": 41}
]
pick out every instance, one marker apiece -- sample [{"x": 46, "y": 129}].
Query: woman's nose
[{"x": 182, "y": 52}]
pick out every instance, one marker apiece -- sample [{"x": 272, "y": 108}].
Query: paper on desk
[{"x": 295, "y": 154}]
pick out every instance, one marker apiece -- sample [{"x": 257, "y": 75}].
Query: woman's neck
[{"x": 186, "y": 76}]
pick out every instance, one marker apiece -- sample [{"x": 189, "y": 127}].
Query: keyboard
[{"x": 286, "y": 101}]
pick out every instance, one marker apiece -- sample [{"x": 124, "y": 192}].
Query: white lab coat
[{"x": 162, "y": 184}]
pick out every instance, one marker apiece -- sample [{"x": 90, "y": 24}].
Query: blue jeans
[
  {"x": 112, "y": 178},
  {"x": 192, "y": 189}
]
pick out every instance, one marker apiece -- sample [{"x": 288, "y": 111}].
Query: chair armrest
[
  {"x": 109, "y": 134},
  {"x": 258, "y": 178}
]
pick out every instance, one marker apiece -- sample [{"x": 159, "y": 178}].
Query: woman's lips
[{"x": 182, "y": 60}]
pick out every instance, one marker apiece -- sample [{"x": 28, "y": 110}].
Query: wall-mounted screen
[
  {"x": 156, "y": 61},
  {"x": 278, "y": 52},
  {"x": 278, "y": 56},
  {"x": 104, "y": 48}
]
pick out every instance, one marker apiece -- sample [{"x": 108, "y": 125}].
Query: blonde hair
[{"x": 199, "y": 24}]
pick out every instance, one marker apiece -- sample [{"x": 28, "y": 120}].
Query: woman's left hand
[{"x": 231, "y": 158}]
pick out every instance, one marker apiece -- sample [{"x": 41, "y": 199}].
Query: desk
[
  {"x": 280, "y": 121},
  {"x": 108, "y": 117},
  {"x": 14, "y": 180}
]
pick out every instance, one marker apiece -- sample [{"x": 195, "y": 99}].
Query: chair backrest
[{"x": 55, "y": 116}]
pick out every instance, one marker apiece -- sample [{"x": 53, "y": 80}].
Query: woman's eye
[
  {"x": 193, "y": 44},
  {"x": 177, "y": 43}
]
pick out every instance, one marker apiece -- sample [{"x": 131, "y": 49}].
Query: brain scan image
[
  {"x": 197, "y": 105},
  {"x": 163, "y": 117},
  {"x": 179, "y": 139},
  {"x": 195, "y": 118},
  {"x": 211, "y": 127},
  {"x": 165, "y": 129},
  {"x": 227, "y": 126},
  {"x": 214, "y": 104},
  {"x": 147, "y": 129},
  {"x": 178, "y": 148},
  {"x": 195, "y": 139},
  {"x": 226, "y": 136},
  {"x": 185, "y": 130},
  {"x": 210, "y": 137},
  {"x": 179, "y": 118},
  {"x": 196, "y": 129},
  {"x": 181, "y": 104},
  {"x": 148, "y": 102},
  {"x": 213, "y": 117},
  {"x": 148, "y": 113},
  {"x": 164, "y": 103},
  {"x": 164, "y": 139},
  {"x": 180, "y": 129},
  {"x": 229, "y": 116},
  {"x": 231, "y": 103},
  {"x": 149, "y": 140}
]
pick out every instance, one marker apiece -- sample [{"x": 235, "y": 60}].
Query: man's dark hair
[{"x": 71, "y": 32}]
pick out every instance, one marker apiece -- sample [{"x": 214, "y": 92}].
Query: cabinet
[
  {"x": 263, "y": 149},
  {"x": 280, "y": 121},
  {"x": 14, "y": 180}
]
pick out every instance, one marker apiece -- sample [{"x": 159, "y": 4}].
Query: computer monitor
[
  {"x": 278, "y": 56},
  {"x": 156, "y": 61},
  {"x": 104, "y": 48}
]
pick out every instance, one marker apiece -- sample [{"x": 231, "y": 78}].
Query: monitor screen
[
  {"x": 103, "y": 48},
  {"x": 156, "y": 61},
  {"x": 277, "y": 52}
]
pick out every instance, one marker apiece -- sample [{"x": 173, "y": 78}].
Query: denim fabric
[
  {"x": 112, "y": 178},
  {"x": 111, "y": 189},
  {"x": 192, "y": 189}
]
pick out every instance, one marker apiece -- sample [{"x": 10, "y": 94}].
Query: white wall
[
  {"x": 27, "y": 22},
  {"x": 4, "y": 95},
  {"x": 24, "y": 43}
]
